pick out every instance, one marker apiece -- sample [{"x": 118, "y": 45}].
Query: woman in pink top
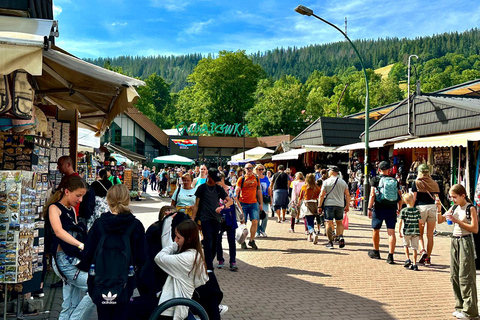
[{"x": 296, "y": 187}]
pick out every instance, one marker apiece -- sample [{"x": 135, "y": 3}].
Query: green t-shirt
[
  {"x": 410, "y": 217},
  {"x": 111, "y": 179}
]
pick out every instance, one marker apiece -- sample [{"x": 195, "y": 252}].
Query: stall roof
[
  {"x": 289, "y": 155},
  {"x": 256, "y": 153},
  {"x": 125, "y": 152},
  {"x": 450, "y": 140},
  {"x": 434, "y": 114},
  {"x": 148, "y": 125},
  {"x": 372, "y": 144},
  {"x": 325, "y": 132},
  {"x": 97, "y": 93},
  {"x": 314, "y": 148}
]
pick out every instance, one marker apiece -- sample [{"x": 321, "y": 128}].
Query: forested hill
[{"x": 330, "y": 58}]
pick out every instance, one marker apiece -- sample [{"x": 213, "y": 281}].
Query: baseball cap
[
  {"x": 214, "y": 174},
  {"x": 334, "y": 169},
  {"x": 384, "y": 165}
]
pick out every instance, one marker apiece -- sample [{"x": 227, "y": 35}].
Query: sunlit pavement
[{"x": 291, "y": 278}]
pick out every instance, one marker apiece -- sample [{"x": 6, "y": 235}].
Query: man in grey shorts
[
  {"x": 279, "y": 185},
  {"x": 335, "y": 198}
]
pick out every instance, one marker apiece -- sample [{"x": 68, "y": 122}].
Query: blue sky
[{"x": 110, "y": 28}]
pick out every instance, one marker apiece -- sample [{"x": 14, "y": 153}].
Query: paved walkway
[{"x": 290, "y": 278}]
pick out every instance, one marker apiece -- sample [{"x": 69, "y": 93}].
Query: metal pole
[
  {"x": 244, "y": 132},
  {"x": 366, "y": 183},
  {"x": 408, "y": 96}
]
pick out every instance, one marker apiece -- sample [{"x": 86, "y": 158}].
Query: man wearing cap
[
  {"x": 379, "y": 211},
  {"x": 207, "y": 210},
  {"x": 335, "y": 199},
  {"x": 249, "y": 192}
]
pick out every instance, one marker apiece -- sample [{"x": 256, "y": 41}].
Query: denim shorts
[
  {"x": 333, "y": 212},
  {"x": 250, "y": 209},
  {"x": 379, "y": 215}
]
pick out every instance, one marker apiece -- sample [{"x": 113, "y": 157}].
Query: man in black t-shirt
[
  {"x": 207, "y": 210},
  {"x": 383, "y": 212},
  {"x": 279, "y": 185}
]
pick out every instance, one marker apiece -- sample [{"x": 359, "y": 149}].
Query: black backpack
[{"x": 113, "y": 281}]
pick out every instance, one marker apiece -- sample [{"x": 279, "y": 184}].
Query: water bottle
[
  {"x": 92, "y": 270},
  {"x": 449, "y": 222},
  {"x": 131, "y": 272}
]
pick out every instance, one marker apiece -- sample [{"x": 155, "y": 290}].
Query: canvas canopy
[
  {"x": 98, "y": 94},
  {"x": 174, "y": 159},
  {"x": 256, "y": 153},
  {"x": 289, "y": 155}
]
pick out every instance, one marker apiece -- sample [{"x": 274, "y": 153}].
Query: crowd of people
[{"x": 175, "y": 256}]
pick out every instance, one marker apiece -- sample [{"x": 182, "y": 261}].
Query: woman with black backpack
[{"x": 115, "y": 252}]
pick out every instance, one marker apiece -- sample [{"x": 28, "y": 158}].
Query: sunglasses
[
  {"x": 261, "y": 169},
  {"x": 249, "y": 168}
]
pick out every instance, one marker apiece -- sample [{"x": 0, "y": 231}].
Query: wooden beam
[{"x": 68, "y": 85}]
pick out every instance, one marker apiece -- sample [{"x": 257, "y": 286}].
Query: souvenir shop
[
  {"x": 45, "y": 95},
  {"x": 441, "y": 131}
]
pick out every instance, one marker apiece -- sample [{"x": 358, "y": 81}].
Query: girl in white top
[
  {"x": 184, "y": 263},
  {"x": 462, "y": 252}
]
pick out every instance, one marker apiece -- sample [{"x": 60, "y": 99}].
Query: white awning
[
  {"x": 448, "y": 140},
  {"x": 256, "y": 153},
  {"x": 289, "y": 155},
  {"x": 372, "y": 144},
  {"x": 97, "y": 93},
  {"x": 21, "y": 43},
  {"x": 315, "y": 148}
]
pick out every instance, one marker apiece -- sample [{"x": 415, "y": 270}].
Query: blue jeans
[
  {"x": 262, "y": 225},
  {"x": 250, "y": 209},
  {"x": 310, "y": 223},
  {"x": 77, "y": 304}
]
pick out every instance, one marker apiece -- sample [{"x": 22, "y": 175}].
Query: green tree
[
  {"x": 155, "y": 101},
  {"x": 278, "y": 108},
  {"x": 222, "y": 89}
]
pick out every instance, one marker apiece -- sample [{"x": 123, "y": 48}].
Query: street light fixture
[{"x": 366, "y": 186}]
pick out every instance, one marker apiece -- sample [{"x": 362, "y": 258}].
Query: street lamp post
[{"x": 366, "y": 186}]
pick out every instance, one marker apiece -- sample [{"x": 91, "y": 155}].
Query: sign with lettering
[{"x": 196, "y": 129}]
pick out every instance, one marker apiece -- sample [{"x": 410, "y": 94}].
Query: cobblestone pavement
[{"x": 291, "y": 278}]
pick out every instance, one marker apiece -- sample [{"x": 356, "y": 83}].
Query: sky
[{"x": 111, "y": 28}]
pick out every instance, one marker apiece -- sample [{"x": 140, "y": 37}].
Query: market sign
[
  {"x": 185, "y": 143},
  {"x": 198, "y": 129}
]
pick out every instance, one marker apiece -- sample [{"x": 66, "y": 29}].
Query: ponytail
[{"x": 118, "y": 199}]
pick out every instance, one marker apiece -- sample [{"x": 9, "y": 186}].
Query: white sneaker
[
  {"x": 460, "y": 315},
  {"x": 223, "y": 308},
  {"x": 263, "y": 234},
  {"x": 455, "y": 313}
]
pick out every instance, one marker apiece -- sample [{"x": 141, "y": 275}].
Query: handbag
[
  {"x": 238, "y": 212},
  {"x": 308, "y": 208},
  {"x": 267, "y": 199},
  {"x": 345, "y": 221},
  {"x": 241, "y": 233}
]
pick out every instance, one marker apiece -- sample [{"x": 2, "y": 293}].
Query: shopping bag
[
  {"x": 345, "y": 221},
  {"x": 241, "y": 233}
]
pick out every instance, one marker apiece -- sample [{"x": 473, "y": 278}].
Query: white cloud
[
  {"x": 116, "y": 23},
  {"x": 170, "y": 5},
  {"x": 197, "y": 27},
  {"x": 56, "y": 10}
]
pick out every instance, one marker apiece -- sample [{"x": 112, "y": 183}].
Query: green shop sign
[{"x": 196, "y": 129}]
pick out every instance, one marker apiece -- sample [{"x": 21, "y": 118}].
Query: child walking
[
  {"x": 410, "y": 219},
  {"x": 462, "y": 252}
]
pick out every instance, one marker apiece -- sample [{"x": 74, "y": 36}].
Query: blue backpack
[{"x": 387, "y": 191}]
